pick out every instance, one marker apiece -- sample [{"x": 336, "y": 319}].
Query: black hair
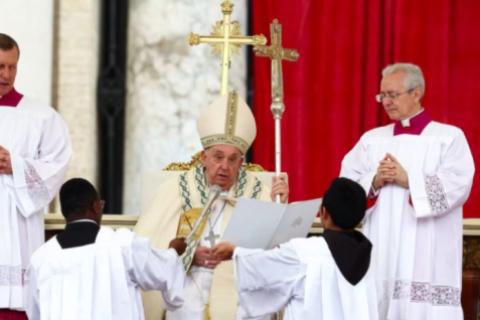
[
  {"x": 346, "y": 202},
  {"x": 77, "y": 197}
]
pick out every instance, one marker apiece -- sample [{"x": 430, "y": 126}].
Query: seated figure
[{"x": 227, "y": 129}]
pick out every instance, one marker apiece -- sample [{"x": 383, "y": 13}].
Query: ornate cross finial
[
  {"x": 277, "y": 54},
  {"x": 226, "y": 40}
]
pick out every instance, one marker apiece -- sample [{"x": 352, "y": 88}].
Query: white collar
[
  {"x": 83, "y": 220},
  {"x": 406, "y": 122}
]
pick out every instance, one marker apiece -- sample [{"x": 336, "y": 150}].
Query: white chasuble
[
  {"x": 301, "y": 275},
  {"x": 160, "y": 223},
  {"x": 101, "y": 280},
  {"x": 38, "y": 141},
  {"x": 417, "y": 232}
]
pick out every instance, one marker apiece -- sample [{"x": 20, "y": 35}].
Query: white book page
[
  {"x": 296, "y": 221},
  {"x": 253, "y": 223},
  {"x": 264, "y": 224}
]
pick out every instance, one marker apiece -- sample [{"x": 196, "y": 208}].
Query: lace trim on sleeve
[
  {"x": 11, "y": 276},
  {"x": 436, "y": 195},
  {"x": 423, "y": 292},
  {"x": 36, "y": 188}
]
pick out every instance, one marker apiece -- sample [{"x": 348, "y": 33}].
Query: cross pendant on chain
[{"x": 211, "y": 238}]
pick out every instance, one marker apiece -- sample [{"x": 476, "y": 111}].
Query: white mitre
[{"x": 227, "y": 120}]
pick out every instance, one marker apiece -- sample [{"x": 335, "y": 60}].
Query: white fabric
[
  {"x": 101, "y": 281},
  {"x": 417, "y": 249},
  {"x": 219, "y": 124},
  {"x": 199, "y": 281},
  {"x": 38, "y": 141},
  {"x": 301, "y": 275}
]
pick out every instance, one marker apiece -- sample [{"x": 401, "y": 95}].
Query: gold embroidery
[
  {"x": 206, "y": 313},
  {"x": 185, "y": 166},
  {"x": 231, "y": 116},
  {"x": 187, "y": 221},
  {"x": 214, "y": 139}
]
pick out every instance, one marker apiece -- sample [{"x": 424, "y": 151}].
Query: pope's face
[
  {"x": 399, "y": 102},
  {"x": 222, "y": 164},
  {"x": 8, "y": 70}
]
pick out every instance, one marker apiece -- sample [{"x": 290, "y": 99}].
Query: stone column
[{"x": 75, "y": 78}]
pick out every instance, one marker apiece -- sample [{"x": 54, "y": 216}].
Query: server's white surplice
[
  {"x": 301, "y": 275},
  {"x": 101, "y": 280}
]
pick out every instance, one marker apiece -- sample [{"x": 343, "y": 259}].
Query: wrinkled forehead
[{"x": 224, "y": 150}]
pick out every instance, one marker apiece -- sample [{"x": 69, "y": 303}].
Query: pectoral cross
[
  {"x": 277, "y": 54},
  {"x": 226, "y": 40},
  {"x": 211, "y": 238}
]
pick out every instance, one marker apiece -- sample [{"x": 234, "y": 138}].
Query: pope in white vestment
[
  {"x": 227, "y": 128},
  {"x": 92, "y": 272},
  {"x": 34, "y": 153},
  {"x": 420, "y": 173},
  {"x": 318, "y": 278}
]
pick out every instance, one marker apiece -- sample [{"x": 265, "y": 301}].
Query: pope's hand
[
  {"x": 204, "y": 258},
  {"x": 280, "y": 187}
]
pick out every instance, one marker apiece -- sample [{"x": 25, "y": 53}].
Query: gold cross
[
  {"x": 276, "y": 53},
  {"x": 226, "y": 40}
]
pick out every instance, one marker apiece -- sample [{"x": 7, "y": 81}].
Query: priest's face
[
  {"x": 8, "y": 70},
  {"x": 399, "y": 101},
  {"x": 222, "y": 164}
]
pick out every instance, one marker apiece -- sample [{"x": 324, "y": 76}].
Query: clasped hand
[
  {"x": 5, "y": 161},
  {"x": 390, "y": 171}
]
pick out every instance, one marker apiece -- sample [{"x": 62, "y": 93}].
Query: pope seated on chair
[{"x": 227, "y": 129}]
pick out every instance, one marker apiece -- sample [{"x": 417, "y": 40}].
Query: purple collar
[
  {"x": 11, "y": 99},
  {"x": 417, "y": 124}
]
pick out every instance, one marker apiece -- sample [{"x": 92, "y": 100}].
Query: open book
[{"x": 262, "y": 224}]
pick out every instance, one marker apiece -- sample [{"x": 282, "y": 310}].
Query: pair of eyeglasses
[{"x": 390, "y": 95}]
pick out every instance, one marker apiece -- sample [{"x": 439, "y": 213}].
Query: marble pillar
[{"x": 75, "y": 78}]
